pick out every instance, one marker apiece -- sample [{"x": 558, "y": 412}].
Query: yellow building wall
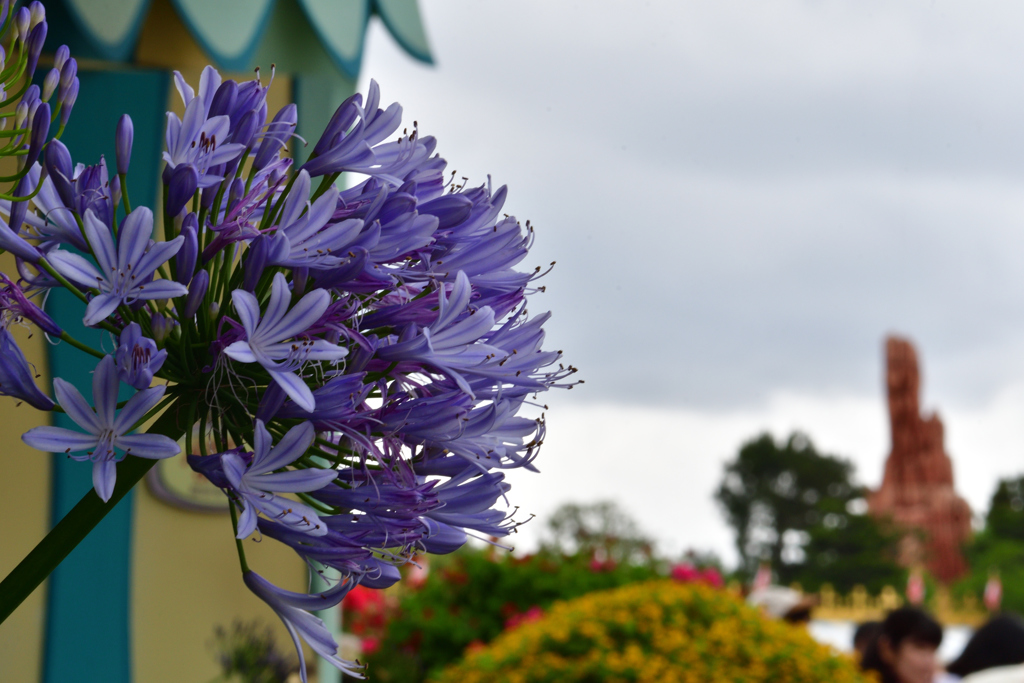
[
  {"x": 25, "y": 509},
  {"x": 186, "y": 581}
]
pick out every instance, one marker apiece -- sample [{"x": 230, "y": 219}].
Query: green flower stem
[
  {"x": 79, "y": 345},
  {"x": 238, "y": 541},
  {"x": 77, "y": 523}
]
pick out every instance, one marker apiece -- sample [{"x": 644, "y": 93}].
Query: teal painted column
[{"x": 88, "y": 625}]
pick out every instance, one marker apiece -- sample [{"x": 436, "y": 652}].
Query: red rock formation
[{"x": 917, "y": 488}]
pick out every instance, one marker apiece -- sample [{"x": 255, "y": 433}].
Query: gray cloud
[{"x": 744, "y": 199}]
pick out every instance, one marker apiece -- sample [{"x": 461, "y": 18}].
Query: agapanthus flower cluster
[
  {"x": 26, "y": 110},
  {"x": 350, "y": 366}
]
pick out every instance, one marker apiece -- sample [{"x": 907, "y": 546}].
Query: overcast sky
[{"x": 743, "y": 200}]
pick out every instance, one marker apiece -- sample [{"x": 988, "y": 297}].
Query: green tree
[
  {"x": 773, "y": 494},
  {"x": 599, "y": 529},
  {"x": 999, "y": 546},
  {"x": 847, "y": 549}
]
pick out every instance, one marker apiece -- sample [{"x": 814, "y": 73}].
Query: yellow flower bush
[{"x": 654, "y": 632}]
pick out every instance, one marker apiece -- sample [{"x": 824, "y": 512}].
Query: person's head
[
  {"x": 904, "y": 649},
  {"x": 865, "y": 633},
  {"x": 998, "y": 643}
]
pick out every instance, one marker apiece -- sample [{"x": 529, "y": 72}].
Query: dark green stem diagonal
[{"x": 77, "y": 523}]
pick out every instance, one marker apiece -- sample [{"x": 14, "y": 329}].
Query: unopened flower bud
[
  {"x": 255, "y": 262},
  {"x": 224, "y": 99},
  {"x": 19, "y": 209},
  {"x": 185, "y": 260},
  {"x": 57, "y": 161},
  {"x": 235, "y": 192},
  {"x": 21, "y": 114},
  {"x": 344, "y": 116},
  {"x": 60, "y": 57},
  {"x": 299, "y": 276},
  {"x": 246, "y": 129},
  {"x": 214, "y": 310},
  {"x": 181, "y": 187},
  {"x": 68, "y": 72},
  {"x": 68, "y": 102},
  {"x": 115, "y": 191},
  {"x": 22, "y": 22},
  {"x": 40, "y": 131},
  {"x": 123, "y": 143},
  {"x": 50, "y": 84},
  {"x": 37, "y": 12},
  {"x": 196, "y": 292},
  {"x": 34, "y": 46},
  {"x": 160, "y": 326}
]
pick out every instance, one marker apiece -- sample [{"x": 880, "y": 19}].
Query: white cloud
[{"x": 743, "y": 200}]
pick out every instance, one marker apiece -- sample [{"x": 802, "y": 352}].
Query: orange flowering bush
[{"x": 654, "y": 632}]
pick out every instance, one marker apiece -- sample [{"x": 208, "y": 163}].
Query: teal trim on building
[{"x": 88, "y": 624}]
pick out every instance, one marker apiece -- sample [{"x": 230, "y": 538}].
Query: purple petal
[
  {"x": 184, "y": 89},
  {"x": 59, "y": 440},
  {"x": 262, "y": 444},
  {"x": 74, "y": 268},
  {"x": 100, "y": 308},
  {"x": 97, "y": 233},
  {"x": 248, "y": 309},
  {"x": 136, "y": 231},
  {"x": 159, "y": 289},
  {"x": 152, "y": 446},
  {"x": 171, "y": 134},
  {"x": 104, "y": 475},
  {"x": 234, "y": 469},
  {"x": 158, "y": 253},
  {"x": 209, "y": 82},
  {"x": 240, "y": 351},
  {"x": 296, "y": 201},
  {"x": 303, "y": 314},
  {"x": 247, "y": 520},
  {"x": 191, "y": 124},
  {"x": 321, "y": 349},
  {"x": 296, "y": 481},
  {"x": 277, "y": 307},
  {"x": 137, "y": 406},
  {"x": 291, "y": 447},
  {"x": 224, "y": 153},
  {"x": 295, "y": 388},
  {"x": 75, "y": 405},
  {"x": 104, "y": 390}
]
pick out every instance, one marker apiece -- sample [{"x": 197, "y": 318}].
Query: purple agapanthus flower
[
  {"x": 16, "y": 376},
  {"x": 124, "y": 274},
  {"x": 106, "y": 440},
  {"x": 267, "y": 338},
  {"x": 138, "y": 358},
  {"x": 294, "y": 610},
  {"x": 257, "y": 485},
  {"x": 304, "y": 238},
  {"x": 15, "y": 307},
  {"x": 198, "y": 139}
]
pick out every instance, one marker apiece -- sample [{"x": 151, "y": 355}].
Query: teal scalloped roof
[{"x": 230, "y": 31}]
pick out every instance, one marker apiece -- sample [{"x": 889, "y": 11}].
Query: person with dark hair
[
  {"x": 864, "y": 634},
  {"x": 1000, "y": 642},
  {"x": 904, "y": 649}
]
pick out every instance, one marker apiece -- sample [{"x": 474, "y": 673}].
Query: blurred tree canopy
[
  {"x": 999, "y": 546},
  {"x": 800, "y": 510},
  {"x": 600, "y": 530}
]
